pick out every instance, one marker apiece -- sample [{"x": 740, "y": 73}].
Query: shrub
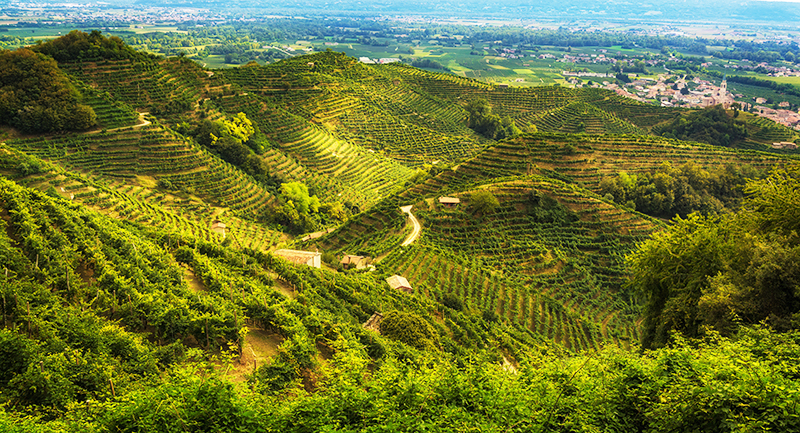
[{"x": 410, "y": 329}]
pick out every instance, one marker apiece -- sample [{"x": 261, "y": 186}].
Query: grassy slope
[
  {"x": 356, "y": 133},
  {"x": 556, "y": 269}
]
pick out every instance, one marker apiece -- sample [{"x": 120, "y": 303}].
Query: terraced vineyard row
[
  {"x": 110, "y": 112},
  {"x": 153, "y": 151},
  {"x": 770, "y": 132},
  {"x": 588, "y": 158},
  {"x": 523, "y": 103},
  {"x": 379, "y": 110},
  {"x": 433, "y": 272},
  {"x": 362, "y": 176},
  {"x": 164, "y": 87},
  {"x": 372, "y": 233},
  {"x": 639, "y": 113},
  {"x": 136, "y": 203},
  {"x": 578, "y": 117},
  {"x": 523, "y": 239},
  {"x": 404, "y": 142}
]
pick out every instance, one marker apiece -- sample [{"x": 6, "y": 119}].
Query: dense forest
[
  {"x": 549, "y": 286},
  {"x": 36, "y": 97},
  {"x": 669, "y": 191}
]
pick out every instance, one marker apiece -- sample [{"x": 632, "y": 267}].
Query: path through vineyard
[
  {"x": 143, "y": 122},
  {"x": 417, "y": 227},
  {"x": 260, "y": 346}
]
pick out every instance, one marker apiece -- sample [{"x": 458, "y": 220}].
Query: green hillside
[{"x": 142, "y": 289}]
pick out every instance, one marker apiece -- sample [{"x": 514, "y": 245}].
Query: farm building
[
  {"x": 218, "y": 227},
  {"x": 398, "y": 282},
  {"x": 350, "y": 261},
  {"x": 784, "y": 145},
  {"x": 449, "y": 201},
  {"x": 310, "y": 258}
]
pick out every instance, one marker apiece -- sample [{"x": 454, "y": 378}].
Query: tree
[
  {"x": 720, "y": 272},
  {"x": 239, "y": 127},
  {"x": 297, "y": 193},
  {"x": 481, "y": 119},
  {"x": 483, "y": 201},
  {"x": 36, "y": 96},
  {"x": 410, "y": 329}
]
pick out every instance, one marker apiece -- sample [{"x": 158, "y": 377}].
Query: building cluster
[
  {"x": 772, "y": 71},
  {"x": 587, "y": 58},
  {"x": 784, "y": 117},
  {"x": 671, "y": 91},
  {"x": 381, "y": 61}
]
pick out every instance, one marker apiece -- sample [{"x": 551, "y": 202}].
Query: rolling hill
[{"x": 119, "y": 288}]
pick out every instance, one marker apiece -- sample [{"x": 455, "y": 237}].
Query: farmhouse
[
  {"x": 398, "y": 282},
  {"x": 350, "y": 261},
  {"x": 449, "y": 201},
  {"x": 218, "y": 227},
  {"x": 310, "y": 258},
  {"x": 784, "y": 145}
]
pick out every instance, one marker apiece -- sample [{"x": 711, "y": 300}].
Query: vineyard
[
  {"x": 548, "y": 261},
  {"x": 513, "y": 284},
  {"x": 585, "y": 159},
  {"x": 767, "y": 132},
  {"x": 550, "y": 258}
]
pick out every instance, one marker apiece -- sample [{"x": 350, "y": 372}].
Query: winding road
[
  {"x": 144, "y": 122},
  {"x": 417, "y": 227}
]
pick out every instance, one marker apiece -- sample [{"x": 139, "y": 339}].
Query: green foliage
[
  {"x": 410, "y": 329},
  {"x": 188, "y": 400},
  {"x": 297, "y": 193},
  {"x": 453, "y": 302},
  {"x": 237, "y": 142},
  {"x": 712, "y": 125},
  {"x": 545, "y": 209},
  {"x": 481, "y": 119},
  {"x": 668, "y": 191},
  {"x": 428, "y": 64},
  {"x": 723, "y": 272},
  {"x": 239, "y": 127},
  {"x": 483, "y": 201},
  {"x": 670, "y": 271},
  {"x": 79, "y": 46},
  {"x": 102, "y": 333},
  {"x": 714, "y": 385},
  {"x": 298, "y": 211},
  {"x": 35, "y": 96}
]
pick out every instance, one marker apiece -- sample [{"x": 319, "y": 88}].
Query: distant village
[{"x": 670, "y": 90}]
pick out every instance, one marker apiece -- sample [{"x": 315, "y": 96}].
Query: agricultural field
[{"x": 150, "y": 276}]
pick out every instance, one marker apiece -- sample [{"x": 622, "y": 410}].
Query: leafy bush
[
  {"x": 410, "y": 329},
  {"x": 483, "y": 121}
]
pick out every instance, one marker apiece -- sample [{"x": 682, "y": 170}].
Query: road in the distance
[{"x": 417, "y": 227}]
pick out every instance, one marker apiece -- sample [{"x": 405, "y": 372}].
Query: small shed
[
  {"x": 398, "y": 282},
  {"x": 350, "y": 261},
  {"x": 449, "y": 201},
  {"x": 218, "y": 227},
  {"x": 310, "y": 258}
]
